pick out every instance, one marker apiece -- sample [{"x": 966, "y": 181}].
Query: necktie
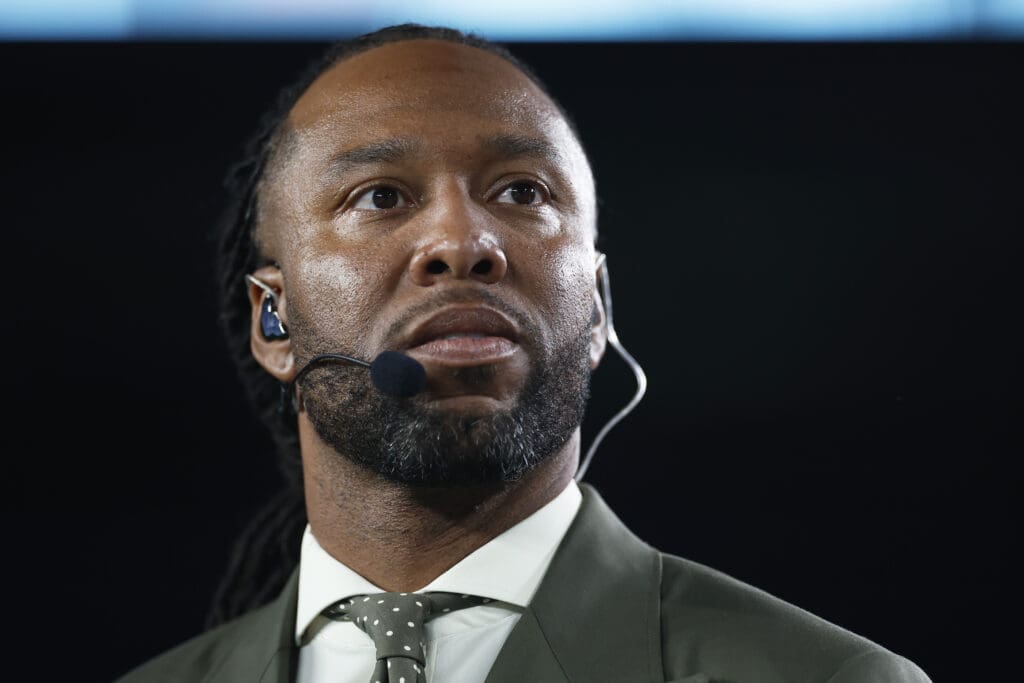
[{"x": 395, "y": 622}]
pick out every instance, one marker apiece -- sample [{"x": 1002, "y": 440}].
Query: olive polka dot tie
[{"x": 395, "y": 622}]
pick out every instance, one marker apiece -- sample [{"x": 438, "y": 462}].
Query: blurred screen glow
[{"x": 522, "y": 20}]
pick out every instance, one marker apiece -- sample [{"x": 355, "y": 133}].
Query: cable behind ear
[
  {"x": 613, "y": 339},
  {"x": 271, "y": 325}
]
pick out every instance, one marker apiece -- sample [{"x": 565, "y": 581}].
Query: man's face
[{"x": 429, "y": 198}]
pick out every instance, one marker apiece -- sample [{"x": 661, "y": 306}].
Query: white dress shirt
[{"x": 460, "y": 647}]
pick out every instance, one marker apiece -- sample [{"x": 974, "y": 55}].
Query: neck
[{"x": 401, "y": 537}]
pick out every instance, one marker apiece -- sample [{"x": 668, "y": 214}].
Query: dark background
[{"x": 814, "y": 251}]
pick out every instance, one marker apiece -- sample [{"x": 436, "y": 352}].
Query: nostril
[
  {"x": 436, "y": 267},
  {"x": 483, "y": 267}
]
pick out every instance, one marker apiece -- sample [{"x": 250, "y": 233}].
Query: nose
[{"x": 461, "y": 248}]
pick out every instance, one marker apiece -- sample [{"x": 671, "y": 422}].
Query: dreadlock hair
[{"x": 267, "y": 550}]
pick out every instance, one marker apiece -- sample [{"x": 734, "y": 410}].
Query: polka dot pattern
[{"x": 395, "y": 623}]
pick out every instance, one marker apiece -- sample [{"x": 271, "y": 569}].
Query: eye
[
  {"x": 381, "y": 197},
  {"x": 522, "y": 192}
]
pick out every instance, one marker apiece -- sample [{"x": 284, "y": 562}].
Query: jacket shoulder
[
  {"x": 716, "y": 625},
  {"x": 879, "y": 665}
]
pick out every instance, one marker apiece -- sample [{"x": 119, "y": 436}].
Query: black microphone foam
[{"x": 397, "y": 374}]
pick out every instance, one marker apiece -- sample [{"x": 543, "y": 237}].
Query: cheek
[
  {"x": 341, "y": 298},
  {"x": 563, "y": 280}
]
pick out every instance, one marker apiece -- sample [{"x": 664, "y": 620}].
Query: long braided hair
[{"x": 267, "y": 550}]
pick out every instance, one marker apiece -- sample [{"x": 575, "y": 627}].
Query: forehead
[{"x": 436, "y": 89}]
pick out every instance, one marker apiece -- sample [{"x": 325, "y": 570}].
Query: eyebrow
[
  {"x": 382, "y": 152},
  {"x": 394, "y": 150},
  {"x": 512, "y": 146}
]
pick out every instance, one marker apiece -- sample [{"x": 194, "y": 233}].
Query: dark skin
[{"x": 414, "y": 170}]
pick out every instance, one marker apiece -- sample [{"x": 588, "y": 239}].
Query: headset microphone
[
  {"x": 393, "y": 373},
  {"x": 397, "y": 374}
]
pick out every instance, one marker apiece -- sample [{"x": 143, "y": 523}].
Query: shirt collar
[{"x": 508, "y": 568}]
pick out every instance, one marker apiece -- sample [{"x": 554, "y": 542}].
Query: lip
[{"x": 463, "y": 336}]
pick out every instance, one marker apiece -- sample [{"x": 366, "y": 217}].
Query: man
[{"x": 422, "y": 192}]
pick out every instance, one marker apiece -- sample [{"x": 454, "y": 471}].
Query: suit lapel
[
  {"x": 526, "y": 656},
  {"x": 264, "y": 649},
  {"x": 596, "y": 614}
]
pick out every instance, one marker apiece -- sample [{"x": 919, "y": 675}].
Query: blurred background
[{"x": 812, "y": 213}]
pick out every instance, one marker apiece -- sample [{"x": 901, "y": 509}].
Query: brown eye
[
  {"x": 382, "y": 197},
  {"x": 520, "y": 193}
]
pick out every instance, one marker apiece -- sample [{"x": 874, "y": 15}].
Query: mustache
[{"x": 459, "y": 296}]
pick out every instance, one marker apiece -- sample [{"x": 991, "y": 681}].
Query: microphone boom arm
[{"x": 327, "y": 356}]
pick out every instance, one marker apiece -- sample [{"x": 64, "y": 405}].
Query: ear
[
  {"x": 598, "y": 328},
  {"x": 275, "y": 356}
]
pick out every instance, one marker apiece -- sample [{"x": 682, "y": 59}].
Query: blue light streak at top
[{"x": 522, "y": 20}]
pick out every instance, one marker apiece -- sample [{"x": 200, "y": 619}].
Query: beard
[{"x": 406, "y": 441}]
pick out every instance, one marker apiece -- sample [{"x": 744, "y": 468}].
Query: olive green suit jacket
[{"x": 610, "y": 608}]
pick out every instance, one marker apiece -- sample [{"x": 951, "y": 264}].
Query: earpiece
[
  {"x": 270, "y": 322},
  {"x": 604, "y": 282},
  {"x": 271, "y": 326}
]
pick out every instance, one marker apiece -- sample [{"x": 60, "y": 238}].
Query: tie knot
[{"x": 395, "y": 620}]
